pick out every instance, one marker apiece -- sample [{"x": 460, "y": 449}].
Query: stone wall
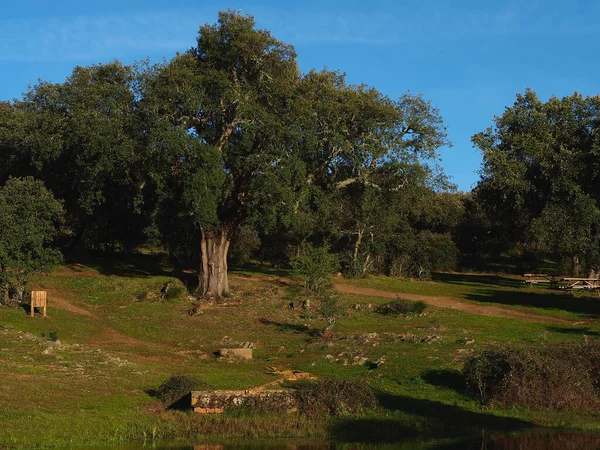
[{"x": 215, "y": 402}]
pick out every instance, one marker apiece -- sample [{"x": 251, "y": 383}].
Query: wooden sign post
[{"x": 38, "y": 300}]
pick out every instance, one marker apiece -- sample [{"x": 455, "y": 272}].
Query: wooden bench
[{"x": 38, "y": 300}]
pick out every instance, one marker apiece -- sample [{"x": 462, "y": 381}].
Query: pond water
[{"x": 538, "y": 440}]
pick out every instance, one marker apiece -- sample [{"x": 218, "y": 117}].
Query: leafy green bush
[
  {"x": 332, "y": 397},
  {"x": 175, "y": 292},
  {"x": 178, "y": 386},
  {"x": 314, "y": 266},
  {"x": 52, "y": 336},
  {"x": 560, "y": 376},
  {"x": 401, "y": 307}
]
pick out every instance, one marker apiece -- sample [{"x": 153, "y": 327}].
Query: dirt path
[
  {"x": 455, "y": 303},
  {"x": 108, "y": 335},
  {"x": 61, "y": 303},
  {"x": 437, "y": 301}
]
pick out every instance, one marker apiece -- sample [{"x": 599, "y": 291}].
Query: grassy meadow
[{"x": 86, "y": 373}]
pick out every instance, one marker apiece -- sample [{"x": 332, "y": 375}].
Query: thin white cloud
[
  {"x": 93, "y": 38},
  {"x": 138, "y": 35}
]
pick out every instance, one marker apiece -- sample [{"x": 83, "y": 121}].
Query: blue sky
[{"x": 469, "y": 58}]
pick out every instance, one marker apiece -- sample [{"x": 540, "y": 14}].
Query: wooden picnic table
[
  {"x": 581, "y": 283},
  {"x": 537, "y": 278}
]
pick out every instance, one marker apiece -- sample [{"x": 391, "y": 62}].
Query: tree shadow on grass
[
  {"x": 466, "y": 279},
  {"x": 130, "y": 265},
  {"x": 573, "y": 330},
  {"x": 183, "y": 404},
  {"x": 261, "y": 269},
  {"x": 292, "y": 327},
  {"x": 451, "y": 379},
  {"x": 430, "y": 417},
  {"x": 581, "y": 305}
]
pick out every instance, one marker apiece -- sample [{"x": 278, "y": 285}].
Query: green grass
[
  {"x": 98, "y": 380},
  {"x": 501, "y": 290}
]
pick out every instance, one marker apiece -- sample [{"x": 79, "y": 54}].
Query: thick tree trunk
[
  {"x": 575, "y": 265},
  {"x": 212, "y": 278},
  {"x": 359, "y": 236}
]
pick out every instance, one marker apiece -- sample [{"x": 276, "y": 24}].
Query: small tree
[
  {"x": 330, "y": 309},
  {"x": 30, "y": 219},
  {"x": 314, "y": 265}
]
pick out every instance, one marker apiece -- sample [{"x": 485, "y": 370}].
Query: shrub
[
  {"x": 175, "y": 292},
  {"x": 331, "y": 397},
  {"x": 401, "y": 306},
  {"x": 314, "y": 265},
  {"x": 52, "y": 336},
  {"x": 177, "y": 386},
  {"x": 560, "y": 376},
  {"x": 329, "y": 309}
]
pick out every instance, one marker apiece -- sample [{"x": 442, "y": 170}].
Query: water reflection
[
  {"x": 540, "y": 440},
  {"x": 537, "y": 440}
]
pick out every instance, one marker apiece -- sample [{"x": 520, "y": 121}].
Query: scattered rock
[
  {"x": 359, "y": 360},
  {"x": 464, "y": 351},
  {"x": 466, "y": 341},
  {"x": 235, "y": 353},
  {"x": 165, "y": 289},
  {"x": 329, "y": 358},
  {"x": 148, "y": 296},
  {"x": 375, "y": 364}
]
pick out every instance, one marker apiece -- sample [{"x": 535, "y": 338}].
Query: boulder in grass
[{"x": 235, "y": 353}]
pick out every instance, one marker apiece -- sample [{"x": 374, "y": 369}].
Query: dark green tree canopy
[
  {"x": 83, "y": 139},
  {"x": 229, "y": 134},
  {"x": 541, "y": 177},
  {"x": 30, "y": 221}
]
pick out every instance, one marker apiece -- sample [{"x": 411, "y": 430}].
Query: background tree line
[{"x": 228, "y": 149}]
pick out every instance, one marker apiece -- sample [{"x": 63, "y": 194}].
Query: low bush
[
  {"x": 177, "y": 386},
  {"x": 329, "y": 308},
  {"x": 175, "y": 292},
  {"x": 401, "y": 306},
  {"x": 559, "y": 376},
  {"x": 331, "y": 397}
]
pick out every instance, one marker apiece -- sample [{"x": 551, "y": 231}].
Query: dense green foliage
[
  {"x": 540, "y": 180},
  {"x": 30, "y": 221},
  {"x": 314, "y": 266},
  {"x": 177, "y": 386},
  {"x": 229, "y": 146},
  {"x": 230, "y": 136}
]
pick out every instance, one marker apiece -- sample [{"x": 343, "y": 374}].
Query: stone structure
[{"x": 217, "y": 402}]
